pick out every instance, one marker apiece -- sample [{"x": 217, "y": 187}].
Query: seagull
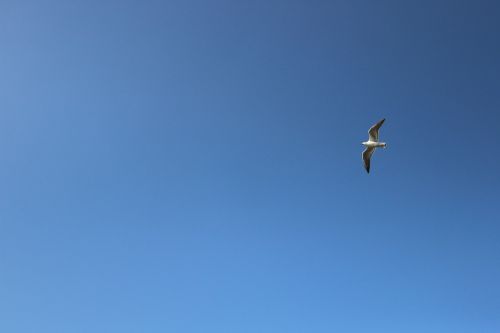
[{"x": 372, "y": 143}]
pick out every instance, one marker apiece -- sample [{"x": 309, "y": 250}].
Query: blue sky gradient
[{"x": 195, "y": 166}]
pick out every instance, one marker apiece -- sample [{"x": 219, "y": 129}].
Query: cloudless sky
[{"x": 195, "y": 166}]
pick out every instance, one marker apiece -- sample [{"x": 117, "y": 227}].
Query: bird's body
[{"x": 372, "y": 144}]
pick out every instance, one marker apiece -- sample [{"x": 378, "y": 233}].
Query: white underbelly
[{"x": 372, "y": 144}]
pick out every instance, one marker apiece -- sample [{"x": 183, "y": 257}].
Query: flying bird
[{"x": 372, "y": 143}]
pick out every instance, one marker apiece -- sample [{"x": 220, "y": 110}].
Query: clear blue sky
[{"x": 195, "y": 166}]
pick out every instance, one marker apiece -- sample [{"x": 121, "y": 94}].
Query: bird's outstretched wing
[
  {"x": 373, "y": 131},
  {"x": 367, "y": 154}
]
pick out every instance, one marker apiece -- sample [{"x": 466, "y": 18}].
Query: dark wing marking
[
  {"x": 367, "y": 154},
  {"x": 373, "y": 131}
]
